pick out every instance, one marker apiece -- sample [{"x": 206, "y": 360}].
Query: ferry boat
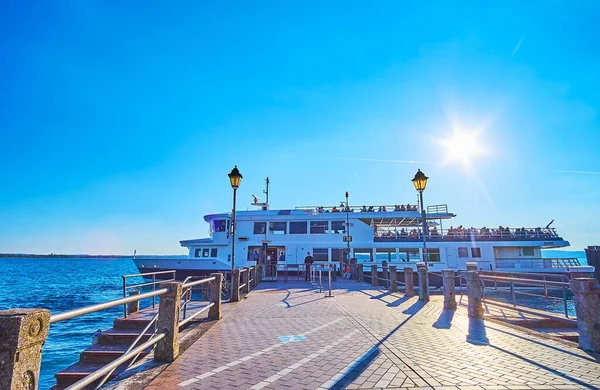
[{"x": 281, "y": 239}]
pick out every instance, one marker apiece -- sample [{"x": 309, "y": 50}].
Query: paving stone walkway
[{"x": 287, "y": 335}]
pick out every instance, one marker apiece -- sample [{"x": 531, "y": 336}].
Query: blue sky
[{"x": 120, "y": 121}]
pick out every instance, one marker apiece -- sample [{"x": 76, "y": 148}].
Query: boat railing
[
  {"x": 519, "y": 285},
  {"x": 383, "y": 234},
  {"x": 537, "y": 262},
  {"x": 314, "y": 210},
  {"x": 136, "y": 287}
]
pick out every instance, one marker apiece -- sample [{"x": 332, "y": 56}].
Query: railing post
[
  {"x": 586, "y": 294},
  {"x": 580, "y": 272},
  {"x": 214, "y": 313},
  {"x": 471, "y": 266},
  {"x": 409, "y": 282},
  {"x": 260, "y": 273},
  {"x": 23, "y": 333},
  {"x": 246, "y": 279},
  {"x": 393, "y": 279},
  {"x": 384, "y": 271},
  {"x": 253, "y": 275},
  {"x": 449, "y": 289},
  {"x": 133, "y": 306},
  {"x": 235, "y": 286},
  {"x": 167, "y": 349},
  {"x": 374, "y": 280},
  {"x": 124, "y": 295},
  {"x": 360, "y": 271},
  {"x": 475, "y": 304},
  {"x": 423, "y": 282}
]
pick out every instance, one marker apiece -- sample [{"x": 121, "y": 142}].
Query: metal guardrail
[
  {"x": 139, "y": 285},
  {"x": 132, "y": 351},
  {"x": 515, "y": 285}
]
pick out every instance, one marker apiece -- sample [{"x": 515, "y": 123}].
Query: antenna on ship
[{"x": 262, "y": 205}]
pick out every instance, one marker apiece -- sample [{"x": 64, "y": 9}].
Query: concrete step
[
  {"x": 121, "y": 336},
  {"x": 105, "y": 354},
  {"x": 131, "y": 323},
  {"x": 78, "y": 371}
]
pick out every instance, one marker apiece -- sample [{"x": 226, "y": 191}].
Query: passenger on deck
[
  {"x": 402, "y": 208},
  {"x": 403, "y": 233},
  {"x": 335, "y": 210},
  {"x": 371, "y": 209},
  {"x": 363, "y": 209},
  {"x": 383, "y": 209}
]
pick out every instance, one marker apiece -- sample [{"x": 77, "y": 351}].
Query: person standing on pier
[{"x": 308, "y": 260}]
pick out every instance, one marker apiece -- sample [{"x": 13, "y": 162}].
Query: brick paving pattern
[{"x": 290, "y": 336}]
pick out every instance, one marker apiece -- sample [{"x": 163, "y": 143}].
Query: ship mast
[{"x": 267, "y": 194}]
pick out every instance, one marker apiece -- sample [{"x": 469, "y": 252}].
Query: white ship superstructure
[{"x": 370, "y": 234}]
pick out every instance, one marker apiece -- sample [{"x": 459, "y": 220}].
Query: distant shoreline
[{"x": 62, "y": 256}]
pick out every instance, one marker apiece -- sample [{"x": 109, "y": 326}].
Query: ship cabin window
[
  {"x": 220, "y": 225},
  {"x": 197, "y": 252},
  {"x": 411, "y": 254},
  {"x": 277, "y": 227},
  {"x": 260, "y": 227},
  {"x": 320, "y": 254},
  {"x": 463, "y": 252},
  {"x": 205, "y": 252},
  {"x": 213, "y": 252},
  {"x": 363, "y": 255},
  {"x": 528, "y": 251},
  {"x": 318, "y": 227},
  {"x": 403, "y": 256},
  {"x": 385, "y": 254},
  {"x": 337, "y": 254},
  {"x": 475, "y": 252},
  {"x": 338, "y": 227},
  {"x": 298, "y": 227},
  {"x": 433, "y": 254}
]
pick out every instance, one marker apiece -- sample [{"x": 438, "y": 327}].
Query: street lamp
[
  {"x": 235, "y": 177},
  {"x": 420, "y": 182},
  {"x": 347, "y": 230}
]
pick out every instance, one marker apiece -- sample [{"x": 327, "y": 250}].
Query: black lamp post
[
  {"x": 347, "y": 230},
  {"x": 420, "y": 182},
  {"x": 235, "y": 177}
]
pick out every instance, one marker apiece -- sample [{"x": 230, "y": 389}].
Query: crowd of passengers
[
  {"x": 344, "y": 209},
  {"x": 461, "y": 232}
]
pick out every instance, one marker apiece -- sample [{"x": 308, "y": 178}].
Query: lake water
[{"x": 62, "y": 284}]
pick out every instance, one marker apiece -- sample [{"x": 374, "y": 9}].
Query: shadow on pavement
[
  {"x": 477, "y": 333},
  {"x": 444, "y": 321}
]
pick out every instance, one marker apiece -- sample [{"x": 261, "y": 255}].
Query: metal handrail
[
  {"x": 198, "y": 282},
  {"x": 116, "y": 363},
  {"x": 101, "y": 306},
  {"x": 525, "y": 281},
  {"x": 185, "y": 321},
  {"x": 153, "y": 283},
  {"x": 131, "y": 346}
]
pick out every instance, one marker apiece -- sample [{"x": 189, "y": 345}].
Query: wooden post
[
  {"x": 409, "y": 282},
  {"x": 214, "y": 313},
  {"x": 360, "y": 271},
  {"x": 449, "y": 289},
  {"x": 374, "y": 280},
  {"x": 423, "y": 282},
  {"x": 393, "y": 279},
  {"x": 384, "y": 271},
  {"x": 475, "y": 308},
  {"x": 235, "y": 287},
  {"x": 246, "y": 280},
  {"x": 23, "y": 333},
  {"x": 167, "y": 349},
  {"x": 586, "y": 294}
]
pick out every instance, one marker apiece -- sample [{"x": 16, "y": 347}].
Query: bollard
[
  {"x": 360, "y": 272},
  {"x": 409, "y": 282},
  {"x": 384, "y": 266},
  {"x": 132, "y": 307},
  {"x": 22, "y": 335},
  {"x": 586, "y": 295},
  {"x": 449, "y": 289},
  {"x": 474, "y": 295},
  {"x": 374, "y": 280},
  {"x": 471, "y": 265},
  {"x": 246, "y": 280},
  {"x": 214, "y": 313},
  {"x": 423, "y": 282},
  {"x": 393, "y": 279},
  {"x": 235, "y": 286},
  {"x": 167, "y": 349},
  {"x": 260, "y": 273}
]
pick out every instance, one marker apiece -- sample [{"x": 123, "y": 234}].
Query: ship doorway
[{"x": 275, "y": 255}]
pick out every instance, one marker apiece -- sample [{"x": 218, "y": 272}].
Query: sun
[{"x": 462, "y": 146}]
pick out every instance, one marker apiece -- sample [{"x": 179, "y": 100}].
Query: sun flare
[{"x": 462, "y": 147}]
